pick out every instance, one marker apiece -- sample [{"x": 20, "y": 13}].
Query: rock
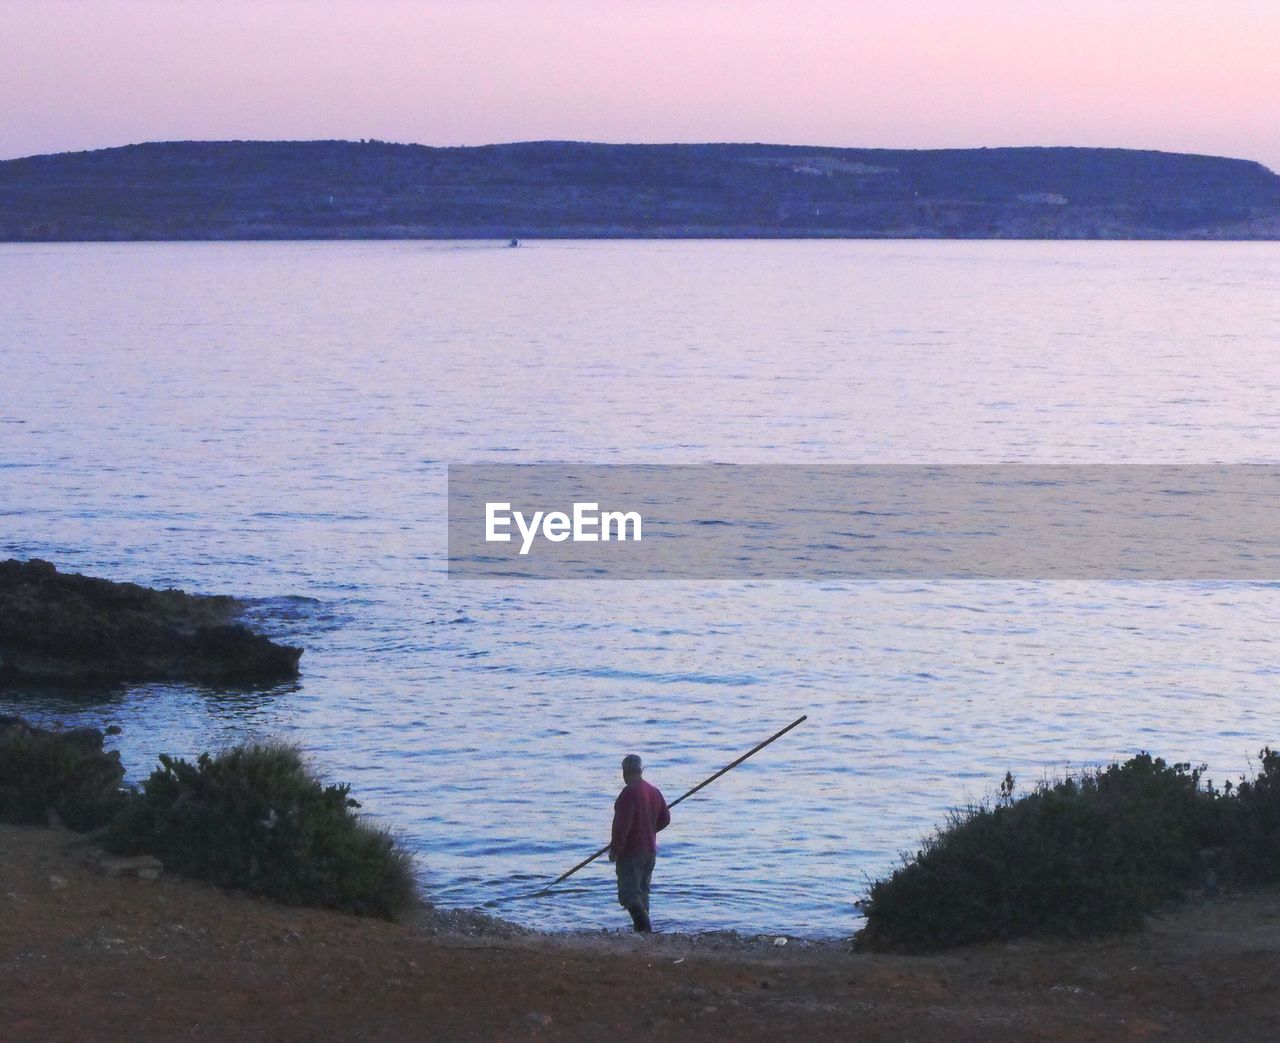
[
  {"x": 66, "y": 629},
  {"x": 144, "y": 867}
]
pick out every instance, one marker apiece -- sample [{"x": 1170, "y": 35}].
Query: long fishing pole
[{"x": 684, "y": 796}]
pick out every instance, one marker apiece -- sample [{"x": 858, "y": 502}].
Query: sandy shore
[{"x": 83, "y": 956}]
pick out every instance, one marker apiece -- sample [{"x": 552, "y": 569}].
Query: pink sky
[{"x": 1180, "y": 75}]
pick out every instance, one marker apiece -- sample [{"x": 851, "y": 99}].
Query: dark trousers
[{"x": 633, "y": 881}]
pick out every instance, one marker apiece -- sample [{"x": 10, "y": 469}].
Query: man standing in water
[{"x": 639, "y": 814}]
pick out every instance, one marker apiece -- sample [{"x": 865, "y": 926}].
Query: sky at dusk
[{"x": 1178, "y": 75}]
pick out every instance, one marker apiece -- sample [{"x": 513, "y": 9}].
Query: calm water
[{"x": 274, "y": 420}]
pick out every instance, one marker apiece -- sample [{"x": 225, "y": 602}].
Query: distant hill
[{"x": 378, "y": 190}]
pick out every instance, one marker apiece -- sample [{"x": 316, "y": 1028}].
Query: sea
[{"x": 275, "y": 421}]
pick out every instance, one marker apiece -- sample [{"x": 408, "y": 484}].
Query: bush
[
  {"x": 1080, "y": 856},
  {"x": 1254, "y": 824},
  {"x": 255, "y": 818},
  {"x": 65, "y": 772}
]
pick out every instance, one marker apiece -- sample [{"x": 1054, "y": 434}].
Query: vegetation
[
  {"x": 1078, "y": 856},
  {"x": 66, "y": 773},
  {"x": 1253, "y": 823},
  {"x": 379, "y": 190},
  {"x": 254, "y": 817}
]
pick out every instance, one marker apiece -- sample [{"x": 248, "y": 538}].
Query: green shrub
[
  {"x": 1080, "y": 856},
  {"x": 253, "y": 817},
  {"x": 65, "y": 772},
  {"x": 1254, "y": 824}
]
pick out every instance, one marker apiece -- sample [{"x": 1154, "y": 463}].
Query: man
[{"x": 639, "y": 814}]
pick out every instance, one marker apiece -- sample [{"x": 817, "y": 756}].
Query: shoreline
[
  {"x": 468, "y": 922},
  {"x": 87, "y": 955}
]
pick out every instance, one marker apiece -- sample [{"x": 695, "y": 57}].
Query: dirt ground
[{"x": 85, "y": 957}]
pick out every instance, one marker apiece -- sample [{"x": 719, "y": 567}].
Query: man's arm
[
  {"x": 664, "y": 816},
  {"x": 624, "y": 814}
]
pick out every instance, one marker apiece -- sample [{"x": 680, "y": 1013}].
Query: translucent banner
[{"x": 731, "y": 521}]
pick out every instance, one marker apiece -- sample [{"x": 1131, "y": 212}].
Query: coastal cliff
[{"x": 379, "y": 190}]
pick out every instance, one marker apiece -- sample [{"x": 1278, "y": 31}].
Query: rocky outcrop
[{"x": 66, "y": 629}]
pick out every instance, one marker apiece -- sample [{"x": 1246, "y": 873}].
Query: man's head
[{"x": 632, "y": 767}]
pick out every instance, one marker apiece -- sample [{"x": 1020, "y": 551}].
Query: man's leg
[
  {"x": 631, "y": 891},
  {"x": 640, "y": 920},
  {"x": 646, "y": 874}
]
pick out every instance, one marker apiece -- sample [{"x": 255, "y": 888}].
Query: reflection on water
[{"x": 273, "y": 420}]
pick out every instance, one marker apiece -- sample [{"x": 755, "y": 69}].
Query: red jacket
[{"x": 638, "y": 814}]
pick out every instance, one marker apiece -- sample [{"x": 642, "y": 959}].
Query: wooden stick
[{"x": 685, "y": 796}]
